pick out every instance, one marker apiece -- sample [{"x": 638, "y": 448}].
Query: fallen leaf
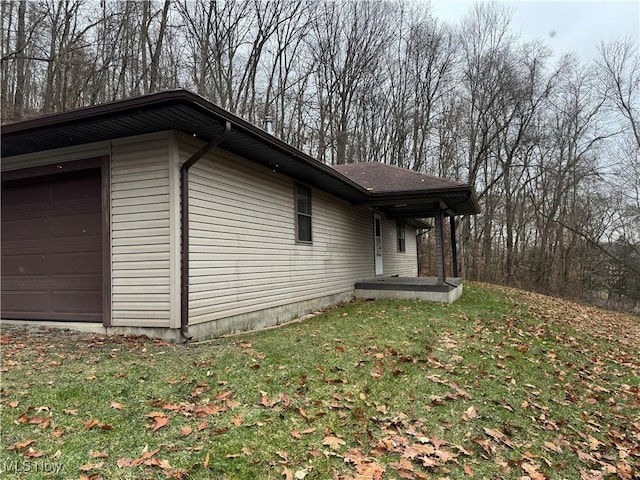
[
  {"x": 237, "y": 420},
  {"x": 499, "y": 436},
  {"x": 224, "y": 395},
  {"x": 264, "y": 400},
  {"x": 93, "y": 423},
  {"x": 333, "y": 442},
  {"x": 469, "y": 414},
  {"x": 532, "y": 471},
  {"x": 624, "y": 470},
  {"x": 21, "y": 445},
  {"x": 125, "y": 462},
  {"x": 33, "y": 453},
  {"x": 467, "y": 470},
  {"x": 186, "y": 431},
  {"x": 283, "y": 454},
  {"x": 301, "y": 474},
  {"x": 287, "y": 473},
  {"x": 159, "y": 420},
  {"x": 91, "y": 466},
  {"x": 116, "y": 405}
]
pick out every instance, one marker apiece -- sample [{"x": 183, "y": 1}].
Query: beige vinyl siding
[
  {"x": 141, "y": 232},
  {"x": 395, "y": 263},
  {"x": 243, "y": 253}
]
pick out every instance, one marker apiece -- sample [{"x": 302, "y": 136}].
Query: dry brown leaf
[
  {"x": 532, "y": 471},
  {"x": 224, "y": 395},
  {"x": 91, "y": 466},
  {"x": 21, "y": 445},
  {"x": 237, "y": 420},
  {"x": 91, "y": 423},
  {"x": 159, "y": 421},
  {"x": 499, "y": 436},
  {"x": 624, "y": 470},
  {"x": 287, "y": 473},
  {"x": 469, "y": 414},
  {"x": 333, "y": 442}
]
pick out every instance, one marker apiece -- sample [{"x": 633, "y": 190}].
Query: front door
[{"x": 377, "y": 235}]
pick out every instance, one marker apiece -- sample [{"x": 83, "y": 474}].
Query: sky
[{"x": 565, "y": 26}]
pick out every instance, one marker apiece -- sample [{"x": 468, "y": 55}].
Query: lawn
[{"x": 503, "y": 384}]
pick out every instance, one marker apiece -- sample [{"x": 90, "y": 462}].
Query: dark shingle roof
[
  {"x": 402, "y": 193},
  {"x": 380, "y": 177}
]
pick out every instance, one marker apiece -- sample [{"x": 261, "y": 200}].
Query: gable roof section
[{"x": 195, "y": 116}]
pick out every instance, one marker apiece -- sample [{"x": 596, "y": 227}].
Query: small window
[
  {"x": 303, "y": 214},
  {"x": 401, "y": 239}
]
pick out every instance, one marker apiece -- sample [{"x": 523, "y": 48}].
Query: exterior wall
[
  {"x": 143, "y": 234},
  {"x": 396, "y": 263},
  {"x": 142, "y": 224},
  {"x": 244, "y": 256},
  {"x": 245, "y": 262}
]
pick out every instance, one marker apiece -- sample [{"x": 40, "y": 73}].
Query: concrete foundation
[{"x": 410, "y": 288}]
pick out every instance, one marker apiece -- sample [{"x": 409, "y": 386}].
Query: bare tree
[{"x": 346, "y": 43}]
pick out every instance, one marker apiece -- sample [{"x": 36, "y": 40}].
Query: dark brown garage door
[{"x": 52, "y": 248}]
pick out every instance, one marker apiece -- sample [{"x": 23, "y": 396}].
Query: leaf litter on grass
[{"x": 502, "y": 384}]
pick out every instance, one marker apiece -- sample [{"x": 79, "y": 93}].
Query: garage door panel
[
  {"x": 75, "y": 263},
  {"x": 78, "y": 188},
  {"x": 22, "y": 266},
  {"x": 52, "y": 248},
  {"x": 25, "y": 300},
  {"x": 77, "y": 226},
  {"x": 24, "y": 283},
  {"x": 23, "y": 195},
  {"x": 24, "y": 229},
  {"x": 74, "y": 302}
]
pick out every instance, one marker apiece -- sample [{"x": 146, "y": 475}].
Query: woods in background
[{"x": 551, "y": 144}]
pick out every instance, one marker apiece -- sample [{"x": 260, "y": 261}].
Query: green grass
[{"x": 493, "y": 386}]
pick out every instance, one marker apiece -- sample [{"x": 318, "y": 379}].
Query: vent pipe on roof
[
  {"x": 267, "y": 124},
  {"x": 184, "y": 227}
]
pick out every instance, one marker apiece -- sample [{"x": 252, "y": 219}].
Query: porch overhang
[{"x": 410, "y": 196}]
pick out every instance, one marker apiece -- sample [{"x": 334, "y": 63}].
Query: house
[{"x": 168, "y": 216}]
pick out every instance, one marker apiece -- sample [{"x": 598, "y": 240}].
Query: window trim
[
  {"x": 401, "y": 238},
  {"x": 298, "y": 188}
]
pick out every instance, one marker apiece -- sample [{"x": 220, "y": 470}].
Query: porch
[{"x": 418, "y": 288}]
